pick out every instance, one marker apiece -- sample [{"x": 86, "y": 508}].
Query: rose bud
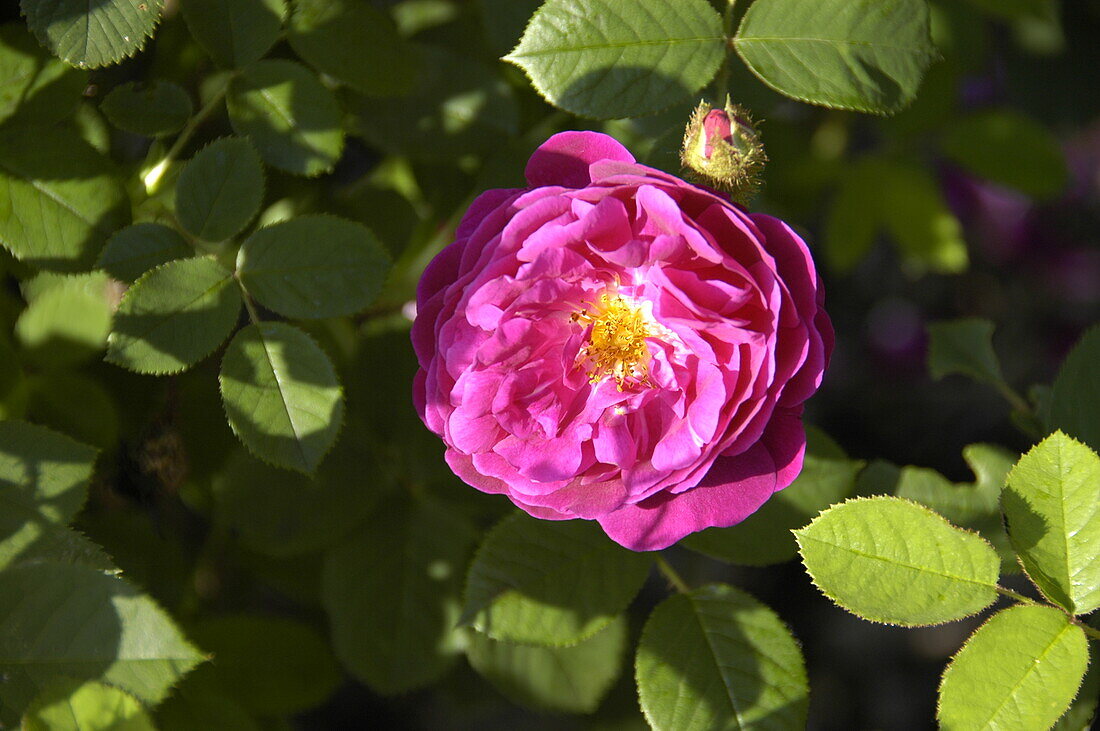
[
  {"x": 722, "y": 149},
  {"x": 614, "y": 344}
]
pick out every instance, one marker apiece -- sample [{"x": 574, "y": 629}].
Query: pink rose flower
[{"x": 615, "y": 344}]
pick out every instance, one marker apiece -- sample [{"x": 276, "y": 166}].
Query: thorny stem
[
  {"x": 672, "y": 575},
  {"x": 155, "y": 174}
]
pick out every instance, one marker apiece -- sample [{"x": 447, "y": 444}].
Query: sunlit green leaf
[
  {"x": 549, "y": 582},
  {"x": 865, "y": 55},
  {"x": 570, "y": 679},
  {"x": 174, "y": 316},
  {"x": 293, "y": 120},
  {"x": 33, "y": 84},
  {"x": 136, "y": 249},
  {"x": 234, "y": 32},
  {"x": 400, "y": 569},
  {"x": 1052, "y": 505},
  {"x": 160, "y": 108},
  {"x": 718, "y": 658},
  {"x": 76, "y": 621},
  {"x": 220, "y": 189},
  {"x": 88, "y": 35},
  {"x": 59, "y": 198},
  {"x": 281, "y": 395},
  {"x": 69, "y": 705},
  {"x": 66, "y": 324},
  {"x": 43, "y": 484},
  {"x": 893, "y": 561},
  {"x": 313, "y": 267},
  {"x": 1018, "y": 671},
  {"x": 619, "y": 58}
]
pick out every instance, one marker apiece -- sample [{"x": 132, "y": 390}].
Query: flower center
[{"x": 617, "y": 341}]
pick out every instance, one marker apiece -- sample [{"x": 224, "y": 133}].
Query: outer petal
[
  {"x": 733, "y": 490},
  {"x": 564, "y": 158}
]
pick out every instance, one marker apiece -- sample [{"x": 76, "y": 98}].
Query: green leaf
[
  {"x": 313, "y": 267},
  {"x": 351, "y": 41},
  {"x": 556, "y": 679},
  {"x": 878, "y": 194},
  {"x": 889, "y": 560},
  {"x": 827, "y": 477},
  {"x": 159, "y": 109},
  {"x": 976, "y": 505},
  {"x": 283, "y": 513},
  {"x": 76, "y": 621},
  {"x": 718, "y": 658},
  {"x": 293, "y": 120},
  {"x": 548, "y": 582},
  {"x": 1008, "y": 148},
  {"x": 1019, "y": 670},
  {"x": 1075, "y": 397},
  {"x": 234, "y": 32},
  {"x": 59, "y": 198},
  {"x": 864, "y": 55},
  {"x": 90, "y": 35},
  {"x": 281, "y": 395},
  {"x": 270, "y": 665},
  {"x": 402, "y": 570},
  {"x": 460, "y": 106},
  {"x": 43, "y": 484},
  {"x": 1082, "y": 711},
  {"x": 66, "y": 325},
  {"x": 1052, "y": 505},
  {"x": 34, "y": 85},
  {"x": 174, "y": 316},
  {"x": 963, "y": 346},
  {"x": 70, "y": 705},
  {"x": 613, "y": 58},
  {"x": 220, "y": 189},
  {"x": 136, "y": 249}
]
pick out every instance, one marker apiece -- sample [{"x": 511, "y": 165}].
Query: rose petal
[{"x": 565, "y": 157}]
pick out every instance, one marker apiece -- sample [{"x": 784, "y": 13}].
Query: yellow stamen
[{"x": 616, "y": 342}]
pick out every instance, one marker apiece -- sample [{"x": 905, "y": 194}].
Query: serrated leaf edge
[
  {"x": 168, "y": 371},
  {"x": 340, "y": 416},
  {"x": 924, "y": 508}
]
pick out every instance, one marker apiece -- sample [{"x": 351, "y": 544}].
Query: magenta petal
[
  {"x": 733, "y": 490},
  {"x": 564, "y": 158}
]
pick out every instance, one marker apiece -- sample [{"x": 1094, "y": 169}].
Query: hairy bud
[{"x": 722, "y": 149}]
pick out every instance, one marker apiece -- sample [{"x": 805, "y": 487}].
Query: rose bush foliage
[{"x": 615, "y": 344}]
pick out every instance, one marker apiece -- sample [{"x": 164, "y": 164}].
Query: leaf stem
[
  {"x": 249, "y": 305},
  {"x": 1086, "y": 628},
  {"x": 1013, "y": 595},
  {"x": 1014, "y": 399},
  {"x": 152, "y": 176},
  {"x": 721, "y": 79},
  {"x": 674, "y": 579}
]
